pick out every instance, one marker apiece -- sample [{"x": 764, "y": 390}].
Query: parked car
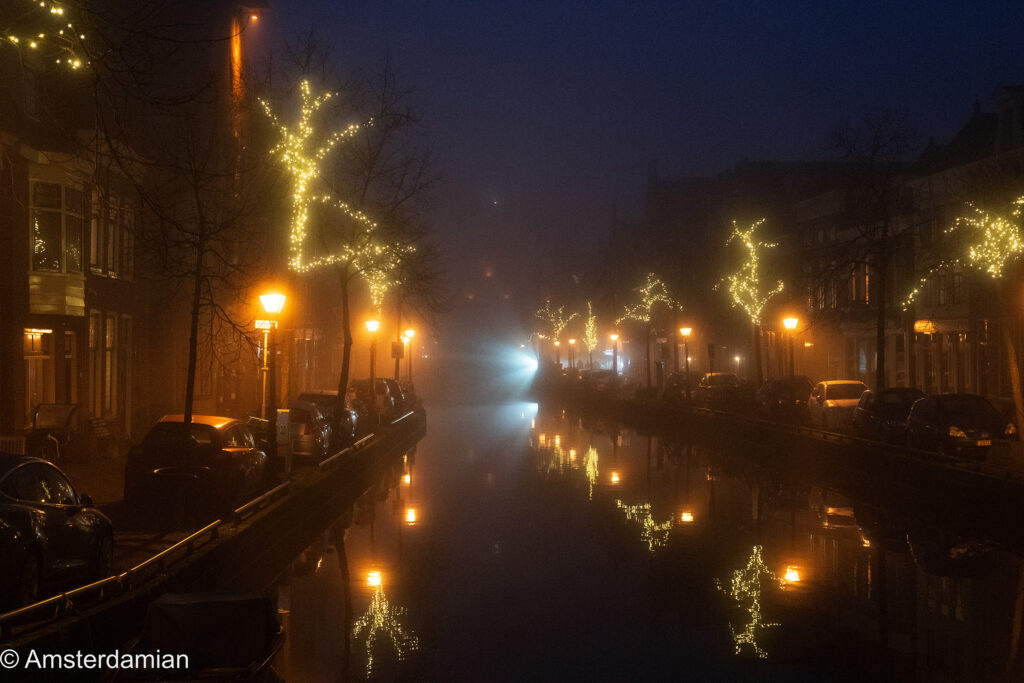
[
  {"x": 309, "y": 430},
  {"x": 215, "y": 456},
  {"x": 882, "y": 415},
  {"x": 719, "y": 390},
  {"x": 344, "y": 430},
  {"x": 51, "y": 537},
  {"x": 833, "y": 402},
  {"x": 385, "y": 402},
  {"x": 402, "y": 403},
  {"x": 784, "y": 399},
  {"x": 957, "y": 424},
  {"x": 675, "y": 386}
]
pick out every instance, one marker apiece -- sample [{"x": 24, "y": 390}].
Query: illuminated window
[
  {"x": 39, "y": 380},
  {"x": 55, "y": 224}
]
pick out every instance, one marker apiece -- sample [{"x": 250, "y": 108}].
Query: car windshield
[
  {"x": 898, "y": 400},
  {"x": 793, "y": 385},
  {"x": 171, "y": 435},
  {"x": 723, "y": 381},
  {"x": 839, "y": 392}
]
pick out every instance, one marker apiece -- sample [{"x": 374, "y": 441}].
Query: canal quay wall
[
  {"x": 900, "y": 481},
  {"x": 244, "y": 557}
]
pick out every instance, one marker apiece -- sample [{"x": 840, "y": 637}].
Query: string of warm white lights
[
  {"x": 745, "y": 588},
  {"x": 555, "y": 319},
  {"x": 590, "y": 330},
  {"x": 590, "y": 467},
  {"x": 745, "y": 283},
  {"x": 382, "y": 619},
  {"x": 301, "y": 152},
  {"x": 62, "y": 36},
  {"x": 652, "y": 292},
  {"x": 999, "y": 239},
  {"x": 652, "y": 533}
]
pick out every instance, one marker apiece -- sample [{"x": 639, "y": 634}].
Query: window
[
  {"x": 55, "y": 222},
  {"x": 112, "y": 233},
  {"x": 39, "y": 379},
  {"x": 95, "y": 367},
  {"x": 109, "y": 343}
]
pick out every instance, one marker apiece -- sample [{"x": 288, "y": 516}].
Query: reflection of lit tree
[
  {"x": 655, "y": 535},
  {"x": 590, "y": 467},
  {"x": 745, "y": 589},
  {"x": 381, "y": 617}
]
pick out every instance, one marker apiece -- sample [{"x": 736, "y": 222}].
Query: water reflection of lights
[
  {"x": 382, "y": 619},
  {"x": 745, "y": 589},
  {"x": 686, "y": 517},
  {"x": 558, "y": 441},
  {"x": 655, "y": 535},
  {"x": 410, "y": 515},
  {"x": 572, "y": 455},
  {"x": 407, "y": 479},
  {"x": 590, "y": 466},
  {"x": 373, "y": 578},
  {"x": 542, "y": 439}
]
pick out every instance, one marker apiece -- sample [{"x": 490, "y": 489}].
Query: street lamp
[
  {"x": 737, "y": 359},
  {"x": 615, "y": 352},
  {"x": 372, "y": 326},
  {"x": 685, "y": 332},
  {"x": 558, "y": 353},
  {"x": 572, "y": 354},
  {"x": 272, "y": 304},
  {"x": 790, "y": 324},
  {"x": 409, "y": 334}
]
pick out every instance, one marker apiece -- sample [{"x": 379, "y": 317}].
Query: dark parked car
[
  {"x": 957, "y": 424},
  {"x": 402, "y": 402},
  {"x": 50, "y": 535},
  {"x": 719, "y": 390},
  {"x": 385, "y": 402},
  {"x": 216, "y": 457},
  {"x": 882, "y": 415},
  {"x": 343, "y": 433},
  {"x": 784, "y": 399}
]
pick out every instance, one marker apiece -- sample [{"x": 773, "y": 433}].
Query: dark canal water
[{"x": 517, "y": 543}]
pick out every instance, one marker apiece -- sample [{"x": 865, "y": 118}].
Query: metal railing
[
  {"x": 257, "y": 504},
  {"x": 327, "y": 463}
]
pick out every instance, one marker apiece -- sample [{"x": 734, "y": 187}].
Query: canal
[{"x": 524, "y": 542}]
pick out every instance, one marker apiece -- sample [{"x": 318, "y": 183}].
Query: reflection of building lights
[
  {"x": 558, "y": 440},
  {"x": 542, "y": 439},
  {"x": 686, "y": 517},
  {"x": 533, "y": 424},
  {"x": 410, "y": 515},
  {"x": 614, "y": 477},
  {"x": 407, "y": 479},
  {"x": 792, "y": 573},
  {"x": 373, "y": 578},
  {"x": 572, "y": 454}
]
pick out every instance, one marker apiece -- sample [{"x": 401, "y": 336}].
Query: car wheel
[
  {"x": 28, "y": 584},
  {"x": 103, "y": 561}
]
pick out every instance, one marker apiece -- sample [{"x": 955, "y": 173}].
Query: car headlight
[
  {"x": 957, "y": 432},
  {"x": 1010, "y": 430}
]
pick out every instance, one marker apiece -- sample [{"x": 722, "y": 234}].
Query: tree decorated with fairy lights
[
  {"x": 745, "y": 287},
  {"x": 651, "y": 294},
  {"x": 996, "y": 243},
  {"x": 354, "y": 246},
  {"x": 50, "y": 30},
  {"x": 590, "y": 333},
  {"x": 555, "y": 321}
]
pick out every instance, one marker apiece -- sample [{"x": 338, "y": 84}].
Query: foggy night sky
[{"x": 544, "y": 115}]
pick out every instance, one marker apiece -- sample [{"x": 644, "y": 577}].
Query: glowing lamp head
[
  {"x": 410, "y": 333},
  {"x": 615, "y": 336},
  {"x": 407, "y": 479},
  {"x": 373, "y": 578},
  {"x": 272, "y": 303},
  {"x": 792, "y": 574},
  {"x": 558, "y": 343},
  {"x": 614, "y": 477},
  {"x": 686, "y": 517},
  {"x": 790, "y": 323},
  {"x": 410, "y": 515},
  {"x": 372, "y": 325},
  {"x": 572, "y": 342},
  {"x": 685, "y": 331}
]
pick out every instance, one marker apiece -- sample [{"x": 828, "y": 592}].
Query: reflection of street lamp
[
  {"x": 615, "y": 352},
  {"x": 372, "y": 326},
  {"x": 790, "y": 324},
  {"x": 272, "y": 305},
  {"x": 409, "y": 334},
  {"x": 685, "y": 331},
  {"x": 572, "y": 355}
]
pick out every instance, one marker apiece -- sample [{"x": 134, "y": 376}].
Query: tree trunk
[
  {"x": 1014, "y": 369},
  {"x": 193, "y": 336},
  {"x": 398, "y": 335},
  {"x": 346, "y": 345},
  {"x": 758, "y": 370},
  {"x": 647, "y": 356}
]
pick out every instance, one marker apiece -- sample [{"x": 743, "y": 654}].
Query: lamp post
[
  {"x": 790, "y": 324},
  {"x": 272, "y": 304},
  {"x": 615, "y": 352},
  {"x": 685, "y": 332},
  {"x": 558, "y": 353},
  {"x": 409, "y": 334},
  {"x": 572, "y": 353},
  {"x": 372, "y": 326}
]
